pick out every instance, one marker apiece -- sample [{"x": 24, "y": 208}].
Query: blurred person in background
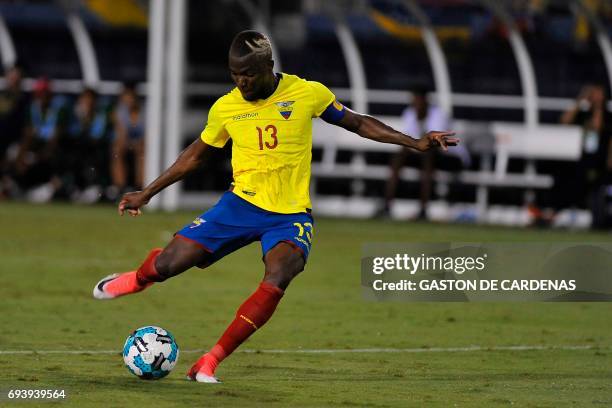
[
  {"x": 40, "y": 160},
  {"x": 590, "y": 112},
  {"x": 13, "y": 109},
  {"x": 128, "y": 145},
  {"x": 576, "y": 186},
  {"x": 418, "y": 119},
  {"x": 88, "y": 144}
]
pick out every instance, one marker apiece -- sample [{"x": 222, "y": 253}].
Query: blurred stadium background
[
  {"x": 504, "y": 71},
  {"x": 130, "y": 83}
]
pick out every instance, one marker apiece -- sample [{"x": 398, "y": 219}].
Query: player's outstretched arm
[
  {"x": 372, "y": 128},
  {"x": 189, "y": 160}
]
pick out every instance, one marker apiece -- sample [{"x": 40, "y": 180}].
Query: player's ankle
[
  {"x": 217, "y": 352},
  {"x": 147, "y": 273},
  {"x": 212, "y": 360},
  {"x": 206, "y": 365},
  {"x": 142, "y": 283},
  {"x": 210, "y": 365}
]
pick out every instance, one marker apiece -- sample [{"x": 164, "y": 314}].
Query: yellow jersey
[{"x": 271, "y": 142}]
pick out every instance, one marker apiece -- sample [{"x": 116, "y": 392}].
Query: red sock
[
  {"x": 251, "y": 315},
  {"x": 147, "y": 273}
]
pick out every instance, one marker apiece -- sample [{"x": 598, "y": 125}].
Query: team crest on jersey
[{"x": 285, "y": 108}]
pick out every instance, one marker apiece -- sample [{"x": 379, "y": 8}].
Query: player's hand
[
  {"x": 131, "y": 202},
  {"x": 435, "y": 138}
]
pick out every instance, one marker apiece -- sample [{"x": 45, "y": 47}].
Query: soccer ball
[{"x": 150, "y": 352}]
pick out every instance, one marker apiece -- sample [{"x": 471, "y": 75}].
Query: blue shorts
[{"x": 234, "y": 222}]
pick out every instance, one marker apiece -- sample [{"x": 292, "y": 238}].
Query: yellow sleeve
[
  {"x": 323, "y": 97},
  {"x": 214, "y": 132}
]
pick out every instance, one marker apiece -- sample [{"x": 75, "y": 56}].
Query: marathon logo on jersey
[
  {"x": 285, "y": 108},
  {"x": 197, "y": 222},
  {"x": 245, "y": 116}
]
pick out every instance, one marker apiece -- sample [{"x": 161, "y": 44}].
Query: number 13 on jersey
[{"x": 270, "y": 134}]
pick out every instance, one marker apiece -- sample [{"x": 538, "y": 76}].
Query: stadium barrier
[{"x": 499, "y": 140}]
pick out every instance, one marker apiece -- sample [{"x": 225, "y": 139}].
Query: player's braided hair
[{"x": 251, "y": 42}]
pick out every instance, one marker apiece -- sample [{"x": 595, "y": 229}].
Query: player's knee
[
  {"x": 280, "y": 280},
  {"x": 280, "y": 274}
]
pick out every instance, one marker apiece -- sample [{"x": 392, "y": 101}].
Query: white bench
[{"x": 505, "y": 141}]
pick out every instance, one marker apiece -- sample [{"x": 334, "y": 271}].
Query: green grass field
[{"x": 51, "y": 256}]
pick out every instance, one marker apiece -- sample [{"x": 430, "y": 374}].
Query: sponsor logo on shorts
[
  {"x": 303, "y": 241},
  {"x": 197, "y": 222}
]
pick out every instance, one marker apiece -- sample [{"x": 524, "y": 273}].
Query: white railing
[{"x": 378, "y": 96}]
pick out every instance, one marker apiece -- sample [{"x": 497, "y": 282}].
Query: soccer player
[{"x": 268, "y": 116}]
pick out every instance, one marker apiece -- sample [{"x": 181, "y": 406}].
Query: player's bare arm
[
  {"x": 372, "y": 128},
  {"x": 189, "y": 160}
]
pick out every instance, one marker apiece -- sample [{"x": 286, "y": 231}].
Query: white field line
[{"x": 336, "y": 351}]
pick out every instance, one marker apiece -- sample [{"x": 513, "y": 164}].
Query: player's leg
[
  {"x": 178, "y": 256},
  {"x": 283, "y": 263},
  {"x": 286, "y": 250},
  {"x": 427, "y": 175},
  {"x": 200, "y": 243},
  {"x": 397, "y": 162}
]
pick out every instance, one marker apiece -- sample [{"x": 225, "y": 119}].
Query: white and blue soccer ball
[{"x": 150, "y": 352}]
